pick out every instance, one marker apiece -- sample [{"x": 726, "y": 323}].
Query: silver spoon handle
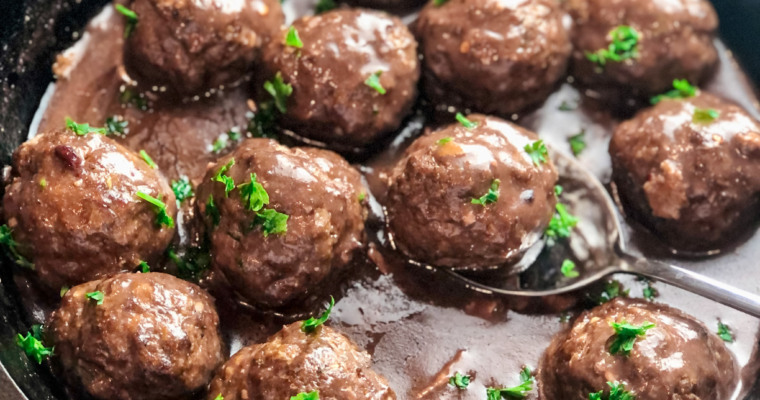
[{"x": 707, "y": 287}]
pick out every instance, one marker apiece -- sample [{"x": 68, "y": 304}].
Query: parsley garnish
[
  {"x": 43, "y": 183},
  {"x": 97, "y": 297},
  {"x": 324, "y": 6},
  {"x": 116, "y": 125},
  {"x": 558, "y": 190},
  {"x": 561, "y": 223},
  {"x": 64, "y": 290},
  {"x": 517, "y": 392},
  {"x": 611, "y": 291},
  {"x": 648, "y": 292},
  {"x": 465, "y": 122},
  {"x": 314, "y": 395},
  {"x": 724, "y": 332},
  {"x": 162, "y": 217},
  {"x": 219, "y": 397},
  {"x": 147, "y": 159},
  {"x": 537, "y": 152},
  {"x": 83, "y": 129},
  {"x": 460, "y": 381},
  {"x": 444, "y": 141},
  {"x": 212, "y": 211},
  {"x": 280, "y": 91},
  {"x": 565, "y": 106},
  {"x": 312, "y": 323},
  {"x": 682, "y": 89},
  {"x": 439, "y": 3},
  {"x": 271, "y": 221},
  {"x": 253, "y": 194},
  {"x": 626, "y": 334},
  {"x": 578, "y": 142},
  {"x": 292, "y": 38},
  {"x": 129, "y": 97},
  {"x": 491, "y": 197},
  {"x": 32, "y": 344},
  {"x": 624, "y": 46},
  {"x": 362, "y": 196},
  {"x": 219, "y": 144},
  {"x": 262, "y": 123},
  {"x": 229, "y": 183},
  {"x": 568, "y": 269},
  {"x": 144, "y": 267},
  {"x": 374, "y": 82},
  {"x": 704, "y": 116},
  {"x": 192, "y": 263},
  {"x": 182, "y": 188},
  {"x": 617, "y": 392},
  {"x": 6, "y": 239},
  {"x": 131, "y": 19}
]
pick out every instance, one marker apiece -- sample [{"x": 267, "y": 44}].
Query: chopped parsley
[
  {"x": 312, "y": 323},
  {"x": 192, "y": 264},
  {"x": 568, "y": 269},
  {"x": 374, "y": 82},
  {"x": 144, "y": 267},
  {"x": 82, "y": 129},
  {"x": 32, "y": 344},
  {"x": 626, "y": 334},
  {"x": 271, "y": 221},
  {"x": 578, "y": 142},
  {"x": 362, "y": 196},
  {"x": 558, "y": 190},
  {"x": 280, "y": 91},
  {"x": 43, "y": 183},
  {"x": 229, "y": 183},
  {"x": 64, "y": 290},
  {"x": 219, "y": 144},
  {"x": 612, "y": 290},
  {"x": 439, "y": 3},
  {"x": 131, "y": 17},
  {"x": 649, "y": 292},
  {"x": 565, "y": 106},
  {"x": 292, "y": 38},
  {"x": 537, "y": 152},
  {"x": 561, "y": 223},
  {"x": 724, "y": 332},
  {"x": 313, "y": 395},
  {"x": 182, "y": 188},
  {"x": 704, "y": 116},
  {"x": 444, "y": 141},
  {"x": 162, "y": 217},
  {"x": 460, "y": 381},
  {"x": 253, "y": 194},
  {"x": 491, "y": 197},
  {"x": 262, "y": 123},
  {"x": 517, "y": 392},
  {"x": 324, "y": 6},
  {"x": 97, "y": 297},
  {"x": 219, "y": 397},
  {"x": 682, "y": 89},
  {"x": 128, "y": 97},
  {"x": 212, "y": 211},
  {"x": 116, "y": 125},
  {"x": 147, "y": 159},
  {"x": 6, "y": 239},
  {"x": 465, "y": 122},
  {"x": 624, "y": 46},
  {"x": 617, "y": 392}
]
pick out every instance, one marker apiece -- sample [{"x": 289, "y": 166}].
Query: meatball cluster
[{"x": 472, "y": 197}]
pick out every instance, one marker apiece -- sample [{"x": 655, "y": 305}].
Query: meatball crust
[
  {"x": 153, "y": 337},
  {"x": 341, "y": 50},
  {"x": 192, "y": 45},
  {"x": 676, "y": 42},
  {"x": 695, "y": 184},
  {"x": 73, "y": 207},
  {"x": 491, "y": 56},
  {"x": 293, "y": 362},
  {"x": 678, "y": 359},
  {"x": 318, "y": 190},
  {"x": 429, "y": 202}
]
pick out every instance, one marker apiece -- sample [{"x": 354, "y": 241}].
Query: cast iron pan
[{"x": 32, "y": 32}]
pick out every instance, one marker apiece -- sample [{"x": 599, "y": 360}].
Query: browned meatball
[
  {"x": 430, "y": 201},
  {"x": 678, "y": 359},
  {"x": 73, "y": 207},
  {"x": 320, "y": 194},
  {"x": 192, "y": 45},
  {"x": 293, "y": 362},
  {"x": 675, "y": 42},
  {"x": 341, "y": 50},
  {"x": 492, "y": 56},
  {"x": 693, "y": 182},
  {"x": 153, "y": 337}
]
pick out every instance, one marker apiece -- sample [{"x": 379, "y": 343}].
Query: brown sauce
[{"x": 419, "y": 325}]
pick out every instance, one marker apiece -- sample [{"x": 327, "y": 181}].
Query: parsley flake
[
  {"x": 568, "y": 269},
  {"x": 292, "y": 38},
  {"x": 444, "y": 141},
  {"x": 116, "y": 125},
  {"x": 131, "y": 17},
  {"x": 83, "y": 129},
  {"x": 128, "y": 97},
  {"x": 219, "y": 397},
  {"x": 182, "y": 189},
  {"x": 578, "y": 142},
  {"x": 212, "y": 211},
  {"x": 229, "y": 183},
  {"x": 6, "y": 240},
  {"x": 565, "y": 106},
  {"x": 362, "y": 196},
  {"x": 374, "y": 82},
  {"x": 220, "y": 144},
  {"x": 439, "y": 3},
  {"x": 517, "y": 392},
  {"x": 624, "y": 46},
  {"x": 704, "y": 116},
  {"x": 192, "y": 264},
  {"x": 64, "y": 290},
  {"x": 160, "y": 207},
  {"x": 253, "y": 194},
  {"x": 147, "y": 159},
  {"x": 617, "y": 392},
  {"x": 312, "y": 323},
  {"x": 460, "y": 381},
  {"x": 612, "y": 290},
  {"x": 626, "y": 334},
  {"x": 97, "y": 297},
  {"x": 682, "y": 89},
  {"x": 280, "y": 91},
  {"x": 324, "y": 6},
  {"x": 32, "y": 344},
  {"x": 263, "y": 122},
  {"x": 144, "y": 267},
  {"x": 724, "y": 332},
  {"x": 561, "y": 223},
  {"x": 271, "y": 222},
  {"x": 313, "y": 395},
  {"x": 537, "y": 152},
  {"x": 491, "y": 197},
  {"x": 558, "y": 190},
  {"x": 465, "y": 122},
  {"x": 649, "y": 292}
]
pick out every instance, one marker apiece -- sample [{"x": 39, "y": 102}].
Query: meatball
[
  {"x": 678, "y": 359},
  {"x": 317, "y": 192},
  {"x": 690, "y": 178},
  {"x": 675, "y": 41},
  {"x": 434, "y": 190},
  {"x": 73, "y": 205},
  {"x": 393, "y": 5},
  {"x": 191, "y": 45},
  {"x": 153, "y": 336},
  {"x": 492, "y": 56},
  {"x": 293, "y": 362},
  {"x": 342, "y": 51}
]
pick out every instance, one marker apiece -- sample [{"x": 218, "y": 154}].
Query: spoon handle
[{"x": 710, "y": 288}]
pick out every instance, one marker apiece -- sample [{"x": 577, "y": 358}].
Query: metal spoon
[{"x": 599, "y": 243}]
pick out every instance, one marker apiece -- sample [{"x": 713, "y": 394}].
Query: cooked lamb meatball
[
  {"x": 293, "y": 362},
  {"x": 675, "y": 41},
  {"x": 192, "y": 45},
  {"x": 430, "y": 201},
  {"x": 270, "y": 261},
  {"x": 74, "y": 209},
  {"x": 492, "y": 56},
  {"x": 692, "y": 179},
  {"x": 153, "y": 336},
  {"x": 679, "y": 358},
  {"x": 342, "y": 50}
]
